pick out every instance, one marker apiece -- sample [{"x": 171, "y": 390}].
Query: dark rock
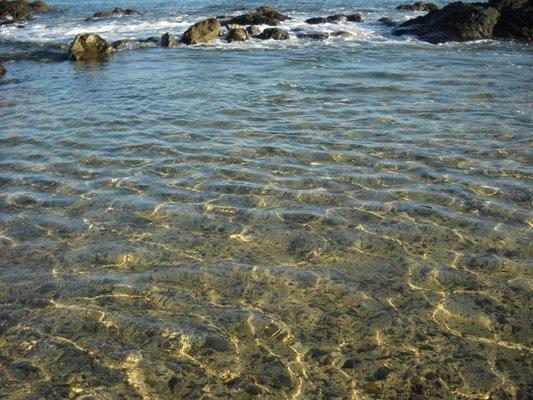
[
  {"x": 126, "y": 44},
  {"x": 119, "y": 10},
  {"x": 262, "y": 16},
  {"x": 168, "y": 40},
  {"x": 16, "y": 10},
  {"x": 101, "y": 14},
  {"x": 131, "y": 11},
  {"x": 313, "y": 36},
  {"x": 151, "y": 39},
  {"x": 516, "y": 21},
  {"x": 202, "y": 32},
  {"x": 382, "y": 373},
  {"x": 274, "y": 33},
  {"x": 335, "y": 18},
  {"x": 217, "y": 344},
  {"x": 342, "y": 34},
  {"x": 418, "y": 6},
  {"x": 253, "y": 30},
  {"x": 237, "y": 35},
  {"x": 350, "y": 364},
  {"x": 39, "y": 6},
  {"x": 456, "y": 22},
  {"x": 89, "y": 46},
  {"x": 387, "y": 21},
  {"x": 2, "y": 70}
]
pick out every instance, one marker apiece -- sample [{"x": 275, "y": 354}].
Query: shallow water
[{"x": 302, "y": 220}]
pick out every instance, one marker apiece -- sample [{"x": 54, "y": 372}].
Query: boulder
[
  {"x": 262, "y": 16},
  {"x": 418, "y": 6},
  {"x": 119, "y": 10},
  {"x": 39, "y": 6},
  {"x": 16, "y": 10},
  {"x": 516, "y": 21},
  {"x": 387, "y": 21},
  {"x": 131, "y": 11},
  {"x": 313, "y": 36},
  {"x": 2, "y": 70},
  {"x": 457, "y": 22},
  {"x": 253, "y": 30},
  {"x": 126, "y": 44},
  {"x": 237, "y": 35},
  {"x": 89, "y": 46},
  {"x": 202, "y": 32},
  {"x": 357, "y": 17},
  {"x": 274, "y": 33},
  {"x": 168, "y": 40}
]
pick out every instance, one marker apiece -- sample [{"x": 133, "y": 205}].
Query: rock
[
  {"x": 100, "y": 14},
  {"x": 119, "y": 10},
  {"x": 335, "y": 18},
  {"x": 89, "y": 46},
  {"x": 262, "y": 16},
  {"x": 382, "y": 373},
  {"x": 342, "y": 34},
  {"x": 237, "y": 35},
  {"x": 387, "y": 21},
  {"x": 274, "y": 33},
  {"x": 516, "y": 21},
  {"x": 234, "y": 26},
  {"x": 253, "y": 30},
  {"x": 126, "y": 44},
  {"x": 16, "y": 10},
  {"x": 151, "y": 39},
  {"x": 39, "y": 6},
  {"x": 131, "y": 11},
  {"x": 313, "y": 36},
  {"x": 2, "y": 70},
  {"x": 202, "y": 32},
  {"x": 456, "y": 22},
  {"x": 418, "y": 6},
  {"x": 168, "y": 40}
]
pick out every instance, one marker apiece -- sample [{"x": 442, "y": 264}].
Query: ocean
[{"x": 347, "y": 218}]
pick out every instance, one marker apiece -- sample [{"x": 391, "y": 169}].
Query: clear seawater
[{"x": 338, "y": 219}]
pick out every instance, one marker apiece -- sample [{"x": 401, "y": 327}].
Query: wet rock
[
  {"x": 456, "y": 22},
  {"x": 357, "y": 17},
  {"x": 342, "y": 34},
  {"x": 2, "y": 70},
  {"x": 387, "y": 21},
  {"x": 168, "y": 40},
  {"x": 151, "y": 39},
  {"x": 317, "y": 20},
  {"x": 89, "y": 46},
  {"x": 100, "y": 15},
  {"x": 516, "y": 20},
  {"x": 119, "y": 10},
  {"x": 16, "y": 10},
  {"x": 313, "y": 36},
  {"x": 418, "y": 6},
  {"x": 253, "y": 30},
  {"x": 39, "y": 7},
  {"x": 237, "y": 35},
  {"x": 274, "y": 33},
  {"x": 127, "y": 11},
  {"x": 126, "y": 44},
  {"x": 262, "y": 16},
  {"x": 202, "y": 32}
]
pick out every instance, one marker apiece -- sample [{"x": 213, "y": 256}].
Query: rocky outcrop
[
  {"x": 387, "y": 21},
  {"x": 89, "y": 46},
  {"x": 516, "y": 20},
  {"x": 13, "y": 11},
  {"x": 237, "y": 35},
  {"x": 418, "y": 6},
  {"x": 168, "y": 40},
  {"x": 39, "y": 6},
  {"x": 357, "y": 17},
  {"x": 202, "y": 32},
  {"x": 262, "y": 16},
  {"x": 456, "y": 22},
  {"x": 274, "y": 33}
]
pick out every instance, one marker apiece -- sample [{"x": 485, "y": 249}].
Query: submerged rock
[
  {"x": 100, "y": 14},
  {"x": 168, "y": 40},
  {"x": 357, "y": 17},
  {"x": 262, "y": 16},
  {"x": 89, "y": 46},
  {"x": 387, "y": 21},
  {"x": 274, "y": 33},
  {"x": 418, "y": 6},
  {"x": 237, "y": 35},
  {"x": 15, "y": 10},
  {"x": 126, "y": 44},
  {"x": 456, "y": 22},
  {"x": 313, "y": 36},
  {"x": 39, "y": 6},
  {"x": 202, "y": 32},
  {"x": 516, "y": 20},
  {"x": 2, "y": 70}
]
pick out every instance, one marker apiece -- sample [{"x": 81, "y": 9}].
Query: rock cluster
[
  {"x": 262, "y": 16},
  {"x": 418, "y": 6},
  {"x": 20, "y": 10},
  {"x": 116, "y": 11},
  {"x": 459, "y": 22},
  {"x": 357, "y": 17}
]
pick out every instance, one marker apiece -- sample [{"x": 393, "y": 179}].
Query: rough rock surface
[
  {"x": 262, "y": 16},
  {"x": 16, "y": 10},
  {"x": 237, "y": 35},
  {"x": 202, "y": 32},
  {"x": 253, "y": 30},
  {"x": 274, "y": 33},
  {"x": 168, "y": 40},
  {"x": 516, "y": 21},
  {"x": 89, "y": 46},
  {"x": 357, "y": 17},
  {"x": 39, "y": 6},
  {"x": 457, "y": 22},
  {"x": 418, "y": 6}
]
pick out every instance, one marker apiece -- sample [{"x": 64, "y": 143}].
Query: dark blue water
[{"x": 348, "y": 218}]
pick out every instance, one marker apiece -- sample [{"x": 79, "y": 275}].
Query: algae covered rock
[
  {"x": 202, "y": 32},
  {"x": 237, "y": 35},
  {"x": 89, "y": 46}
]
